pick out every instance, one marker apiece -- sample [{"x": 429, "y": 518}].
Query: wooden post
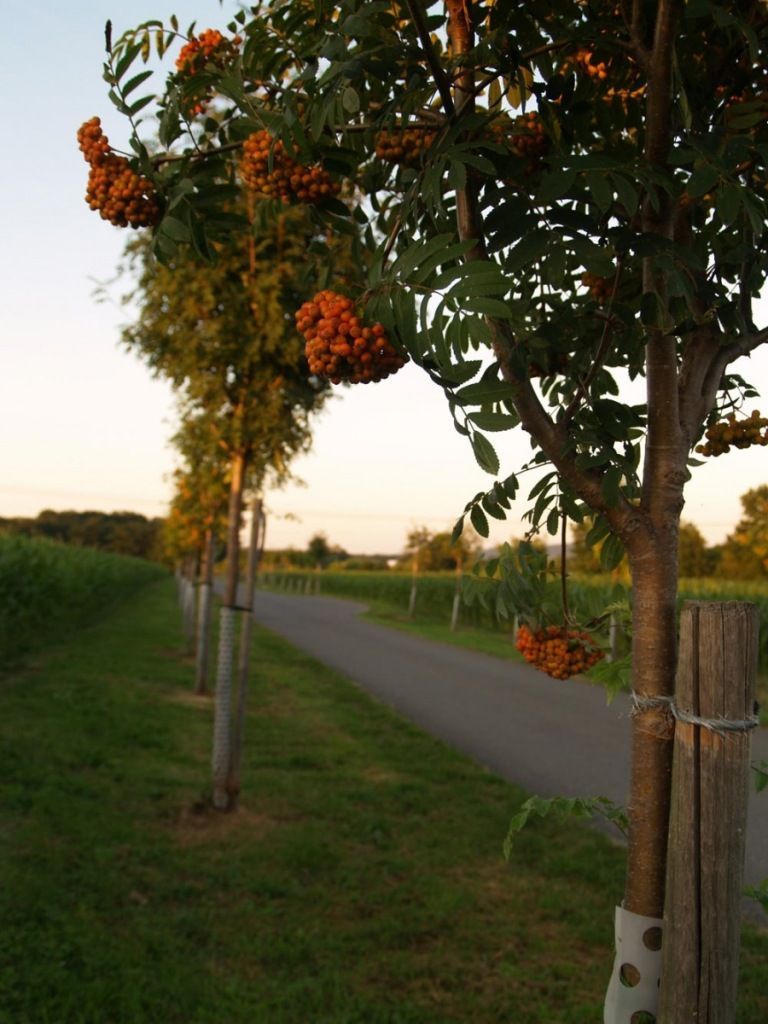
[
  {"x": 714, "y": 708},
  {"x": 414, "y": 578},
  {"x": 456, "y": 598}
]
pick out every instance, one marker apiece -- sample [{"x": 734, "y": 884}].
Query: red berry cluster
[
  {"x": 121, "y": 196},
  {"x": 557, "y": 650},
  {"x": 210, "y": 47},
  {"x": 739, "y": 433},
  {"x": 287, "y": 180},
  {"x": 340, "y": 347},
  {"x": 599, "y": 288},
  {"x": 403, "y": 146}
]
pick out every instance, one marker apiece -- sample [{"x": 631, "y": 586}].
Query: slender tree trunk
[
  {"x": 204, "y": 615},
  {"x": 254, "y": 554},
  {"x": 222, "y": 723},
  {"x": 654, "y": 656},
  {"x": 634, "y": 984}
]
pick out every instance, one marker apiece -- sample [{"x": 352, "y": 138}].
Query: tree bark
[
  {"x": 254, "y": 554},
  {"x": 654, "y": 593},
  {"x": 222, "y": 721},
  {"x": 714, "y": 700}
]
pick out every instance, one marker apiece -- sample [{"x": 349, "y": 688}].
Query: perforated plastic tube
[
  {"x": 222, "y": 715},
  {"x": 634, "y": 986}
]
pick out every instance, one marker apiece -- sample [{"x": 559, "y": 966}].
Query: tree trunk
[
  {"x": 222, "y": 721},
  {"x": 254, "y": 554},
  {"x": 654, "y": 591},
  {"x": 204, "y": 615}
]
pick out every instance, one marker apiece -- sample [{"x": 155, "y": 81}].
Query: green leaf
[
  {"x": 611, "y": 553},
  {"x": 599, "y": 189},
  {"x": 458, "y": 529},
  {"x": 494, "y": 420},
  {"x": 485, "y": 454},
  {"x": 528, "y": 250},
  {"x": 562, "y": 807},
  {"x": 702, "y": 180},
  {"x": 554, "y": 185},
  {"x": 626, "y": 193},
  {"x": 350, "y": 100},
  {"x": 126, "y": 60},
  {"x": 479, "y": 520},
  {"x": 483, "y": 391},
  {"x": 140, "y": 104},
  {"x": 488, "y": 306},
  {"x": 135, "y": 82},
  {"x": 728, "y": 203},
  {"x": 176, "y": 229},
  {"x": 761, "y": 770}
]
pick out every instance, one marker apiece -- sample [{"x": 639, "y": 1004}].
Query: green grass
[{"x": 361, "y": 882}]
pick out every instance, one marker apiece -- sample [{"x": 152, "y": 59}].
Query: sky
[{"x": 83, "y": 425}]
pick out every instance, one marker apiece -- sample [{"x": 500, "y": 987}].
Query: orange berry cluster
[
  {"x": 340, "y": 347},
  {"x": 404, "y": 146},
  {"x": 586, "y": 61},
  {"x": 557, "y": 650},
  {"x": 600, "y": 288},
  {"x": 121, "y": 196},
  {"x": 288, "y": 180},
  {"x": 739, "y": 433},
  {"x": 529, "y": 141},
  {"x": 210, "y": 47}
]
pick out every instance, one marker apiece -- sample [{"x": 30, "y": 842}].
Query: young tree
[
  {"x": 200, "y": 506},
  {"x": 558, "y": 195},
  {"x": 220, "y": 334}
]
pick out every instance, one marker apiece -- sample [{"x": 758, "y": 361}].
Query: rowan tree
[
  {"x": 222, "y": 336},
  {"x": 557, "y": 196}
]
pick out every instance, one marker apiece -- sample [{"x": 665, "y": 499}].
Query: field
[
  {"x": 362, "y": 881},
  {"x": 47, "y": 588}
]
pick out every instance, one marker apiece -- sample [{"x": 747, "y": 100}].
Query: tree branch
[{"x": 418, "y": 17}]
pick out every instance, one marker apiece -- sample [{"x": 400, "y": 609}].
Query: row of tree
[{"x": 582, "y": 196}]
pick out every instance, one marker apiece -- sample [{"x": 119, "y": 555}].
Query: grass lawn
[{"x": 361, "y": 882}]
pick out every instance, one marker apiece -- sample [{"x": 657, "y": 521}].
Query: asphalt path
[{"x": 549, "y": 736}]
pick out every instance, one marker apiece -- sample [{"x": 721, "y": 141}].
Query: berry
[
  {"x": 123, "y": 197},
  {"x": 340, "y": 347},
  {"x": 557, "y": 650},
  {"x": 600, "y": 288},
  {"x": 288, "y": 180},
  {"x": 210, "y": 47},
  {"x": 739, "y": 433},
  {"x": 403, "y": 146}
]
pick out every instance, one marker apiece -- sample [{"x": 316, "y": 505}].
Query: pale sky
[{"x": 82, "y": 424}]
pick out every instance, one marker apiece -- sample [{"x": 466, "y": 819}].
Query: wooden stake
[{"x": 717, "y": 666}]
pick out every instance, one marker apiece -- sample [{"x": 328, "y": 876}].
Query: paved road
[{"x": 548, "y": 736}]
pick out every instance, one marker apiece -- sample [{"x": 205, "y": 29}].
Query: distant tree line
[
  {"x": 742, "y": 556},
  {"x": 125, "y": 533}
]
